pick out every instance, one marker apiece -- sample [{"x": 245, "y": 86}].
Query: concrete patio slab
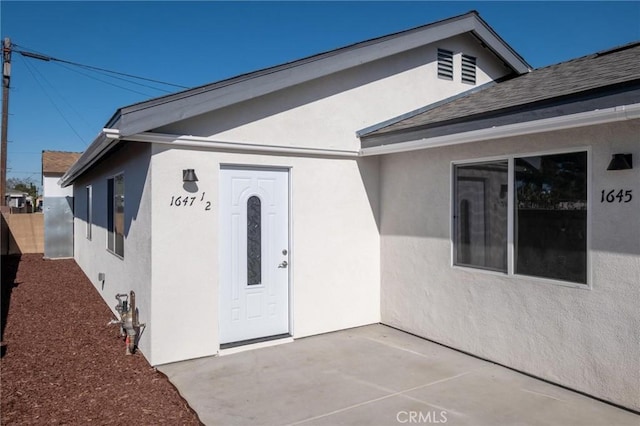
[{"x": 375, "y": 375}]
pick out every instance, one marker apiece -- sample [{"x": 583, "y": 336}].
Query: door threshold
[{"x": 248, "y": 345}]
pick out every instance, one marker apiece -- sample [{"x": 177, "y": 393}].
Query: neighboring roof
[
  {"x": 145, "y": 116},
  {"x": 600, "y": 80},
  {"x": 58, "y": 161}
]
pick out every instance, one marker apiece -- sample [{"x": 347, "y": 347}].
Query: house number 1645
[{"x": 621, "y": 196}]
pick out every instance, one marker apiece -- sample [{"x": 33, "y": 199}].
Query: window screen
[{"x": 480, "y": 224}]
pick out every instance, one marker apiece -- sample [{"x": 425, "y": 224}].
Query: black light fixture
[
  {"x": 621, "y": 162},
  {"x": 189, "y": 175}
]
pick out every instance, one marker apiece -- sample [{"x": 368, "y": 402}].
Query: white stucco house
[{"x": 290, "y": 202}]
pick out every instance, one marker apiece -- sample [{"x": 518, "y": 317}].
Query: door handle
[{"x": 284, "y": 264}]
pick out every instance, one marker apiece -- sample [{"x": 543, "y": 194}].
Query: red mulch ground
[{"x": 62, "y": 364}]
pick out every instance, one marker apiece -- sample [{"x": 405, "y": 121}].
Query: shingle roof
[
  {"x": 58, "y": 161},
  {"x": 607, "y": 68}
]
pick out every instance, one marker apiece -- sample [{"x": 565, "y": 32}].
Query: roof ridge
[{"x": 593, "y": 55}]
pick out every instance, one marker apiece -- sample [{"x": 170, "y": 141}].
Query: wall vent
[
  {"x": 445, "y": 64},
  {"x": 468, "y": 69}
]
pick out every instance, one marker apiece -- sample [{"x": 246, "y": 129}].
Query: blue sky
[{"x": 57, "y": 107}]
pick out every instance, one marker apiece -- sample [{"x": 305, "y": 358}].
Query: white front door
[{"x": 254, "y": 253}]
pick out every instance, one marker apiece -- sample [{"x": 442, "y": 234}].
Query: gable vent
[
  {"x": 468, "y": 69},
  {"x": 445, "y": 64}
]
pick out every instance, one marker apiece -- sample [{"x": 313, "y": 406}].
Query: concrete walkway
[{"x": 375, "y": 375}]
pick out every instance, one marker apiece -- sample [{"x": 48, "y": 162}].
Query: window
[
  {"x": 115, "y": 215},
  {"x": 548, "y": 212},
  {"x": 481, "y": 219},
  {"x": 89, "y": 221},
  {"x": 445, "y": 64},
  {"x": 551, "y": 216},
  {"x": 254, "y": 241},
  {"x": 468, "y": 69}
]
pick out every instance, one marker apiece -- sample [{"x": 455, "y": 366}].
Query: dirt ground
[{"x": 61, "y": 362}]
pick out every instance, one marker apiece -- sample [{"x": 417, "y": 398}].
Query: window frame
[
  {"x": 510, "y": 273},
  {"x": 89, "y": 210},
  {"x": 111, "y": 214}
]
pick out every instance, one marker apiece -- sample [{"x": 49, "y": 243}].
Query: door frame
[{"x": 258, "y": 167}]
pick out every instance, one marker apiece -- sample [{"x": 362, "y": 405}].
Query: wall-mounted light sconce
[
  {"x": 189, "y": 175},
  {"x": 621, "y": 162}
]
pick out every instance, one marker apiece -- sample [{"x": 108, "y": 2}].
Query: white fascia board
[
  {"x": 210, "y": 143},
  {"x": 590, "y": 118},
  {"x": 108, "y": 138},
  {"x": 160, "y": 112}
]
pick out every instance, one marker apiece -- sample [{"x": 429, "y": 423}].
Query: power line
[
  {"x": 33, "y": 54},
  {"x": 53, "y": 88},
  {"x": 107, "y": 82},
  {"x": 117, "y": 78},
  {"x": 28, "y": 67}
]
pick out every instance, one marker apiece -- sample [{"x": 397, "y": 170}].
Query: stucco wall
[
  {"x": 586, "y": 339},
  {"x": 50, "y": 187},
  {"x": 335, "y": 238},
  {"x": 326, "y": 112},
  {"x": 133, "y": 272},
  {"x": 335, "y": 257},
  {"x": 334, "y": 252}
]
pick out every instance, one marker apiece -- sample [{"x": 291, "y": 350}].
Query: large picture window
[
  {"x": 551, "y": 216},
  {"x": 115, "y": 215},
  {"x": 548, "y": 215}
]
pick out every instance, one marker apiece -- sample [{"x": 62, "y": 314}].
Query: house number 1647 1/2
[
  {"x": 188, "y": 201},
  {"x": 615, "y": 195}
]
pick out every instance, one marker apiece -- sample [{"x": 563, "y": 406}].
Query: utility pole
[{"x": 6, "y": 78}]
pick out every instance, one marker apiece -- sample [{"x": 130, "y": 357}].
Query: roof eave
[
  {"x": 588, "y": 118},
  {"x": 159, "y": 112},
  {"x": 500, "y": 47},
  {"x": 155, "y": 113},
  {"x": 100, "y": 146}
]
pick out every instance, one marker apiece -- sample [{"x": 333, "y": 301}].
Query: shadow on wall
[
  {"x": 369, "y": 169},
  {"x": 133, "y": 160},
  {"x": 9, "y": 272}
]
